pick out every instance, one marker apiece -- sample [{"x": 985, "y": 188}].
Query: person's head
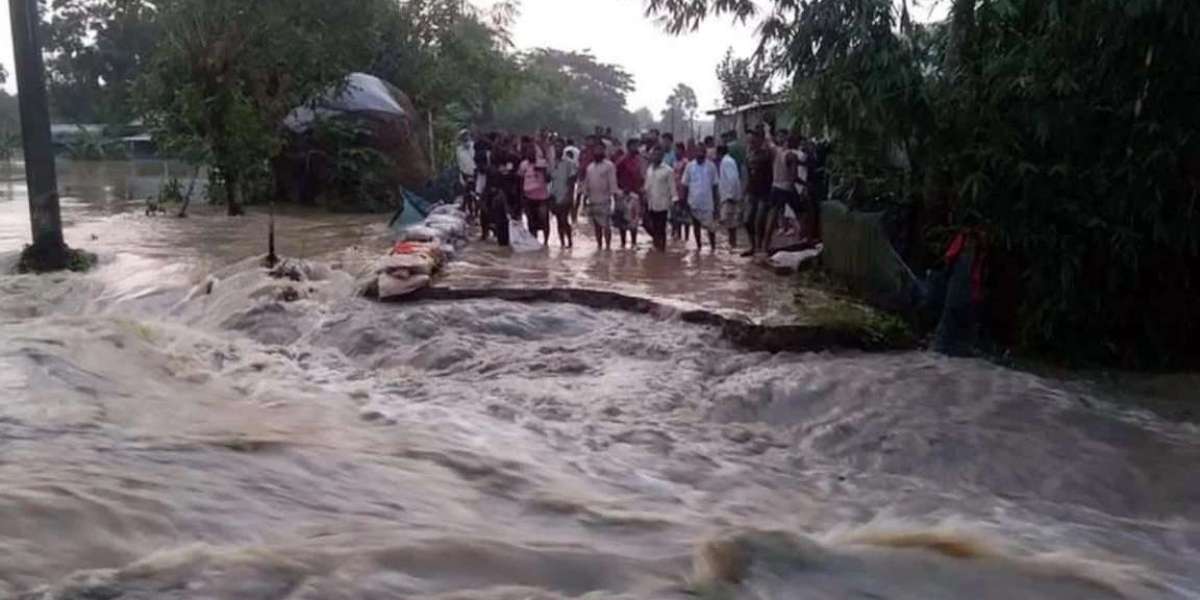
[
  {"x": 668, "y": 140},
  {"x": 722, "y": 150},
  {"x": 464, "y": 136},
  {"x": 608, "y": 132},
  {"x": 528, "y": 153},
  {"x": 781, "y": 136},
  {"x": 795, "y": 140},
  {"x": 681, "y": 150},
  {"x": 656, "y": 155},
  {"x": 570, "y": 141},
  {"x": 632, "y": 145},
  {"x": 493, "y": 137},
  {"x": 598, "y": 153},
  {"x": 558, "y": 151},
  {"x": 598, "y": 131},
  {"x": 655, "y": 135},
  {"x": 757, "y": 138},
  {"x": 709, "y": 141},
  {"x": 700, "y": 153}
]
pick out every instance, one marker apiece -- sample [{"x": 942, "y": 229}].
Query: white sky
[{"x": 616, "y": 32}]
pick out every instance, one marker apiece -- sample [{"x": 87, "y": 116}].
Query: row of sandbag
[{"x": 421, "y": 251}]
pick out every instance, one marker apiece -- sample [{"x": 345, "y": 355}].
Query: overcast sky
[{"x": 615, "y": 31}]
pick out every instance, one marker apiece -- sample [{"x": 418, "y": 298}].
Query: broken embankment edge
[{"x": 738, "y": 330}]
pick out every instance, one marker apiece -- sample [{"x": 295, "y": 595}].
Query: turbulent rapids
[{"x": 178, "y": 424}]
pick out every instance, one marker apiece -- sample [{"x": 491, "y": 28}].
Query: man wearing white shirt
[
  {"x": 660, "y": 194},
  {"x": 465, "y": 153},
  {"x": 729, "y": 185},
  {"x": 700, "y": 194}
]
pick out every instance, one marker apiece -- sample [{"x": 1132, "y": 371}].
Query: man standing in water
[
  {"x": 699, "y": 195},
  {"x": 562, "y": 195},
  {"x": 789, "y": 176},
  {"x": 730, "y": 187},
  {"x": 465, "y": 155},
  {"x": 631, "y": 180},
  {"x": 660, "y": 194},
  {"x": 535, "y": 195},
  {"x": 759, "y": 163},
  {"x": 600, "y": 187}
]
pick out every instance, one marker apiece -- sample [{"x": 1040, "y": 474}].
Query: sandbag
[
  {"x": 409, "y": 264},
  {"x": 792, "y": 261},
  {"x": 419, "y": 233},
  {"x": 392, "y": 287},
  {"x": 448, "y": 210},
  {"x": 520, "y": 239}
]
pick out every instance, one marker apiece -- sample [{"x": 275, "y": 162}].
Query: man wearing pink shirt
[{"x": 536, "y": 193}]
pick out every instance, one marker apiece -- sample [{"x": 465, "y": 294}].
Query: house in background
[{"x": 740, "y": 119}]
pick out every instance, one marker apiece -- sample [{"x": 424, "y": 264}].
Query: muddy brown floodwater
[{"x": 171, "y": 428}]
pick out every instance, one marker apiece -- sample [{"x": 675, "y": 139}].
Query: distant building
[
  {"x": 128, "y": 141},
  {"x": 62, "y": 135},
  {"x": 740, "y": 119}
]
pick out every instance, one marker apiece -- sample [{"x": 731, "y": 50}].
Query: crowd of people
[{"x": 674, "y": 190}]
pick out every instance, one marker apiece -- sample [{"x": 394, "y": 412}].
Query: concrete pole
[{"x": 49, "y": 251}]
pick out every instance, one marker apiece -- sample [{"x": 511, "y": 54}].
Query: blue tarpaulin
[{"x": 414, "y": 210}]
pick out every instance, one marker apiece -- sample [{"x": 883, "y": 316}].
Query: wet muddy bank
[{"x": 737, "y": 329}]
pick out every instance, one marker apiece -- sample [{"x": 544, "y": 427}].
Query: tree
[
  {"x": 643, "y": 119},
  {"x": 743, "y": 80},
  {"x": 95, "y": 51},
  {"x": 452, "y": 59},
  {"x": 446, "y": 51},
  {"x": 567, "y": 91},
  {"x": 226, "y": 73},
  {"x": 681, "y": 109},
  {"x": 1061, "y": 131}
]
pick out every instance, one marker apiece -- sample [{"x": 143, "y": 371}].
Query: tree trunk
[
  {"x": 231, "y": 194},
  {"x": 187, "y": 198},
  {"x": 49, "y": 251},
  {"x": 272, "y": 258},
  {"x": 962, "y": 32}
]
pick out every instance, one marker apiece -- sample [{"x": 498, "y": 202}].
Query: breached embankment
[{"x": 737, "y": 329}]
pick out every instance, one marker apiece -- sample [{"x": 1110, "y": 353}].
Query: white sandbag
[
  {"x": 520, "y": 239},
  {"x": 418, "y": 233},
  {"x": 794, "y": 260},
  {"x": 448, "y": 210},
  {"x": 392, "y": 287},
  {"x": 447, "y": 231},
  {"x": 420, "y": 264}
]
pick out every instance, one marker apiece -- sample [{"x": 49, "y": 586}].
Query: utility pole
[{"x": 48, "y": 252}]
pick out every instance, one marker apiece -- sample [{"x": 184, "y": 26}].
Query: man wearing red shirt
[{"x": 631, "y": 179}]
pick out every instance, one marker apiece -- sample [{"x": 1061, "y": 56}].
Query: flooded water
[{"x": 172, "y": 427}]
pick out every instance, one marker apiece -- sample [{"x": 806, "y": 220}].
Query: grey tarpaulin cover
[
  {"x": 857, "y": 249},
  {"x": 362, "y": 94}
]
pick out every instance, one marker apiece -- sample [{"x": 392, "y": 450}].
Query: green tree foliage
[
  {"x": 679, "y": 117},
  {"x": 447, "y": 55},
  {"x": 10, "y": 126},
  {"x": 226, "y": 72},
  {"x": 1066, "y": 131},
  {"x": 571, "y": 92},
  {"x": 95, "y": 49},
  {"x": 643, "y": 119},
  {"x": 743, "y": 80}
]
